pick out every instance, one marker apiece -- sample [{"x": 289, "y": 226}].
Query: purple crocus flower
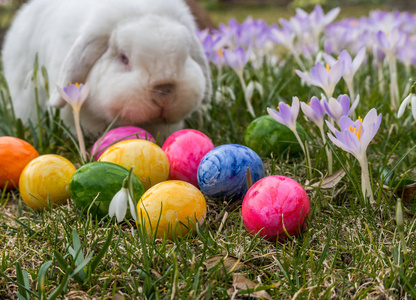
[
  {"x": 287, "y": 116},
  {"x": 340, "y": 107},
  {"x": 349, "y": 66},
  {"x": 75, "y": 95},
  {"x": 391, "y": 42},
  {"x": 236, "y": 59},
  {"x": 315, "y": 111},
  {"x": 325, "y": 78},
  {"x": 354, "y": 138}
]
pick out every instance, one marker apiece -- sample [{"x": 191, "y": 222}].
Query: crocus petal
[
  {"x": 358, "y": 60},
  {"x": 345, "y": 123},
  {"x": 286, "y": 114},
  {"x": 354, "y": 105},
  {"x": 306, "y": 78},
  {"x": 383, "y": 40},
  {"x": 331, "y": 127},
  {"x": 344, "y": 101},
  {"x": 335, "y": 73},
  {"x": 320, "y": 74},
  {"x": 331, "y": 15},
  {"x": 275, "y": 115},
  {"x": 329, "y": 59},
  {"x": 63, "y": 94},
  {"x": 335, "y": 108},
  {"x": 339, "y": 144},
  {"x": 84, "y": 92}
]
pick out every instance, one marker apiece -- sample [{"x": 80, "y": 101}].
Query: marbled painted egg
[
  {"x": 116, "y": 135},
  {"x": 265, "y": 136},
  {"x": 150, "y": 163},
  {"x": 94, "y": 185},
  {"x": 15, "y": 154},
  {"x": 46, "y": 178},
  {"x": 172, "y": 207},
  {"x": 185, "y": 150},
  {"x": 222, "y": 171},
  {"x": 275, "y": 204}
]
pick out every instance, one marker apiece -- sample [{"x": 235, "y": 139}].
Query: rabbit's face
[{"x": 147, "y": 74}]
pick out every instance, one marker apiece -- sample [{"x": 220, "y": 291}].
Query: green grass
[{"x": 349, "y": 249}]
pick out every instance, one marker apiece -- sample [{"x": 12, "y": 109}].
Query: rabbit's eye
[{"x": 124, "y": 59}]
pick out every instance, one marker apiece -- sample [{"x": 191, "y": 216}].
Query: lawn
[{"x": 351, "y": 247}]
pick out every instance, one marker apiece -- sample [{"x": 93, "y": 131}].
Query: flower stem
[
  {"x": 327, "y": 150},
  {"x": 79, "y": 135},
  {"x": 300, "y": 141},
  {"x": 394, "y": 91},
  {"x": 365, "y": 180},
  {"x": 298, "y": 60}
]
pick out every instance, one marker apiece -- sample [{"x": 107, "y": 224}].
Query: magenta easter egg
[
  {"x": 185, "y": 150},
  {"x": 273, "y": 205},
  {"x": 116, "y": 135}
]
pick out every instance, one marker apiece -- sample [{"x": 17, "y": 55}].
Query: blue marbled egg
[{"x": 222, "y": 171}]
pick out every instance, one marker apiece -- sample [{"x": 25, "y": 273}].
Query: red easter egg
[
  {"x": 273, "y": 205},
  {"x": 185, "y": 150}
]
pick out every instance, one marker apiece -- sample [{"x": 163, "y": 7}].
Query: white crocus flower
[
  {"x": 118, "y": 205},
  {"x": 411, "y": 98}
]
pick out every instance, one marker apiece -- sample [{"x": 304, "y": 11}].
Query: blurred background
[
  {"x": 210, "y": 13},
  {"x": 271, "y": 10}
]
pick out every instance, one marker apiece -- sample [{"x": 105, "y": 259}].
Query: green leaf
[
  {"x": 97, "y": 259},
  {"x": 41, "y": 277},
  {"x": 58, "y": 291},
  {"x": 23, "y": 279}
]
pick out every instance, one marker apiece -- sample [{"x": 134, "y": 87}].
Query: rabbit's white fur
[{"x": 89, "y": 41}]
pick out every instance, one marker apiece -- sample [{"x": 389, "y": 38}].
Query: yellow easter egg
[
  {"x": 150, "y": 162},
  {"x": 46, "y": 178},
  {"x": 172, "y": 208}
]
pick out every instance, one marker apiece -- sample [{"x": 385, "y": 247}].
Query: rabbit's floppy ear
[
  {"x": 78, "y": 62},
  {"x": 198, "y": 55}
]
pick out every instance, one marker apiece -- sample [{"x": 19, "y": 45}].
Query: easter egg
[
  {"x": 265, "y": 136},
  {"x": 117, "y": 135},
  {"x": 222, "y": 171},
  {"x": 15, "y": 154},
  {"x": 185, "y": 150},
  {"x": 172, "y": 208},
  {"x": 46, "y": 178},
  {"x": 273, "y": 205},
  {"x": 94, "y": 185},
  {"x": 150, "y": 163}
]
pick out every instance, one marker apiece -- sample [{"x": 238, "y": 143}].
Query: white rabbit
[{"x": 142, "y": 59}]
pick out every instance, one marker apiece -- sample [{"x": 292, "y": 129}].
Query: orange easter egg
[
  {"x": 46, "y": 178},
  {"x": 150, "y": 162},
  {"x": 15, "y": 154}
]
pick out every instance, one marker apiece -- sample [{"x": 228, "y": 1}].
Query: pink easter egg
[
  {"x": 274, "y": 203},
  {"x": 185, "y": 150},
  {"x": 117, "y": 135}
]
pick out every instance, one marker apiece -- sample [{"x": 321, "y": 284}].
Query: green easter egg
[
  {"x": 104, "y": 179},
  {"x": 265, "y": 136}
]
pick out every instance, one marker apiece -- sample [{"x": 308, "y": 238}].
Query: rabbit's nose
[{"x": 163, "y": 93}]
